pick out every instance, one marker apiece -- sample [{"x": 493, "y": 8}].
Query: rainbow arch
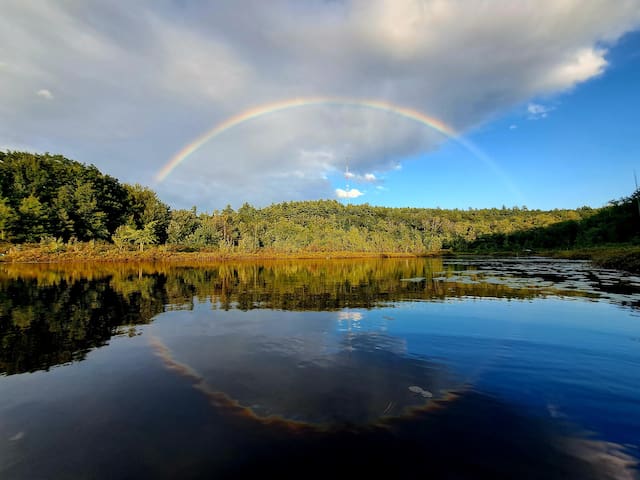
[{"x": 380, "y": 105}]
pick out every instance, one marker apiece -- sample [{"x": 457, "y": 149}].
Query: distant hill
[{"x": 49, "y": 196}]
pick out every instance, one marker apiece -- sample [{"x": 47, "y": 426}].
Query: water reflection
[
  {"x": 46, "y": 323},
  {"x": 363, "y": 381},
  {"x": 54, "y": 314},
  {"x": 318, "y": 368}
]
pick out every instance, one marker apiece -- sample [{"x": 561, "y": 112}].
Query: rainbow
[{"x": 270, "y": 108}]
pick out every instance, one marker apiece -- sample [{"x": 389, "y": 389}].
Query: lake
[{"x": 439, "y": 368}]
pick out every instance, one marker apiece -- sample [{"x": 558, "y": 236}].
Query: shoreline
[
  {"x": 619, "y": 257},
  {"x": 37, "y": 255}
]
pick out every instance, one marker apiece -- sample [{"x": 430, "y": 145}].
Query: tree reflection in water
[{"x": 56, "y": 314}]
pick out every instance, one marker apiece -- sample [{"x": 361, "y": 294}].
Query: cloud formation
[
  {"x": 351, "y": 193},
  {"x": 133, "y": 85},
  {"x": 370, "y": 177},
  {"x": 44, "y": 93},
  {"x": 537, "y": 111},
  {"x": 366, "y": 178}
]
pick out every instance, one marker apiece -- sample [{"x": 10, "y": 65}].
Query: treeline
[
  {"x": 49, "y": 196},
  {"x": 53, "y": 199},
  {"x": 616, "y": 223},
  {"x": 327, "y": 225}
]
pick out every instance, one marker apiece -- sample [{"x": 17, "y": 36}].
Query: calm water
[{"x": 514, "y": 368}]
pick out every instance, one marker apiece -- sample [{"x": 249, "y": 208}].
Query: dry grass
[
  {"x": 105, "y": 252},
  {"x": 622, "y": 257}
]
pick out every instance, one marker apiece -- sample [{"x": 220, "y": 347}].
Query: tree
[
  {"x": 229, "y": 233},
  {"x": 31, "y": 224},
  {"x": 90, "y": 220},
  {"x": 64, "y": 212},
  {"x": 207, "y": 234},
  {"x": 182, "y": 224},
  {"x": 75, "y": 199},
  {"x": 7, "y": 219},
  {"x": 126, "y": 234},
  {"x": 146, "y": 236},
  {"x": 147, "y": 208}
]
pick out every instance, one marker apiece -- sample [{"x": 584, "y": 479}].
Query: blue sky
[
  {"x": 583, "y": 152},
  {"x": 546, "y": 89}
]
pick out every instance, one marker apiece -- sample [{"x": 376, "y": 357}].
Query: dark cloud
[{"x": 129, "y": 84}]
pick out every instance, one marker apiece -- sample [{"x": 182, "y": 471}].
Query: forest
[{"x": 53, "y": 201}]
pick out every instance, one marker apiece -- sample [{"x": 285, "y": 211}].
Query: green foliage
[
  {"x": 207, "y": 234},
  {"x": 147, "y": 235},
  {"x": 123, "y": 236},
  {"x": 32, "y": 222},
  {"x": 44, "y": 194},
  {"x": 182, "y": 225},
  {"x": 52, "y": 244},
  {"x": 616, "y": 223},
  {"x": 51, "y": 196},
  {"x": 91, "y": 222},
  {"x": 327, "y": 225},
  {"x": 146, "y": 207},
  {"x": 7, "y": 219},
  {"x": 126, "y": 234}
]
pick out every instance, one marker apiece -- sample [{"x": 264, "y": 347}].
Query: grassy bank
[
  {"x": 625, "y": 257},
  {"x": 104, "y": 252}
]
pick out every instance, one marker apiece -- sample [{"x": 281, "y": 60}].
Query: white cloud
[
  {"x": 44, "y": 93},
  {"x": 352, "y": 193},
  {"x": 165, "y": 82},
  {"x": 537, "y": 111},
  {"x": 357, "y": 177},
  {"x": 513, "y": 127},
  {"x": 582, "y": 65}
]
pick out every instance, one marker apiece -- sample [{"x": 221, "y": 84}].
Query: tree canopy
[
  {"x": 52, "y": 196},
  {"x": 43, "y": 196}
]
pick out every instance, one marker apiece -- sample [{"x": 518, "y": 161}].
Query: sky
[{"x": 423, "y": 103}]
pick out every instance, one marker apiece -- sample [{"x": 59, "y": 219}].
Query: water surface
[{"x": 510, "y": 368}]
